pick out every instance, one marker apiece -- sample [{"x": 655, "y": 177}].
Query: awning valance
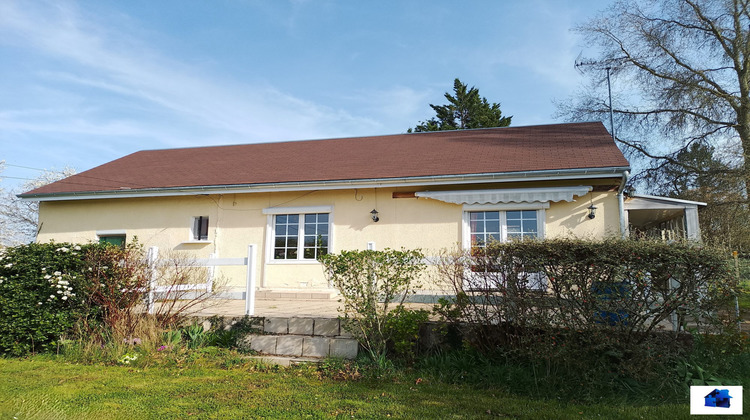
[{"x": 518, "y": 195}]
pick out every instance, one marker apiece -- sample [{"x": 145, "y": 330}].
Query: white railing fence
[{"x": 152, "y": 257}]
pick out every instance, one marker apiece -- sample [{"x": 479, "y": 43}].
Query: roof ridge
[{"x": 444, "y": 132}]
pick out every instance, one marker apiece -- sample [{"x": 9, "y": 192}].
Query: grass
[{"x": 50, "y": 388}]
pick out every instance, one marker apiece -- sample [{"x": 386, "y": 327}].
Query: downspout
[{"x": 621, "y": 202}]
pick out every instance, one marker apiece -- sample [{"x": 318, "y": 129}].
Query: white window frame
[
  {"x": 541, "y": 216},
  {"x": 271, "y": 213}
]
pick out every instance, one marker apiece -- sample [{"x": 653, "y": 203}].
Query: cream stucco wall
[{"x": 236, "y": 220}]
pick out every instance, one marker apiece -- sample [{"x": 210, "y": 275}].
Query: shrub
[
  {"x": 117, "y": 280},
  {"x": 374, "y": 286},
  {"x": 588, "y": 304},
  {"x": 95, "y": 291},
  {"x": 42, "y": 294},
  {"x": 172, "y": 272}
]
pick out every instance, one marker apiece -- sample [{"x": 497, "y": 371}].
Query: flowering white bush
[
  {"x": 42, "y": 291},
  {"x": 61, "y": 284}
]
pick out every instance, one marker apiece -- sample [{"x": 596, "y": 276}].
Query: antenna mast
[{"x": 580, "y": 63}]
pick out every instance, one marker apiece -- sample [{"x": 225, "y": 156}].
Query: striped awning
[{"x": 518, "y": 195}]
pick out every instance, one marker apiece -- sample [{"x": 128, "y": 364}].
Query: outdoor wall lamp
[
  {"x": 592, "y": 211},
  {"x": 374, "y": 214}
]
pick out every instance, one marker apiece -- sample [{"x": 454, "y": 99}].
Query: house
[
  {"x": 295, "y": 200},
  {"x": 718, "y": 398}
]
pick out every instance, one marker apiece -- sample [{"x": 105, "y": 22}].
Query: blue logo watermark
[{"x": 718, "y": 400}]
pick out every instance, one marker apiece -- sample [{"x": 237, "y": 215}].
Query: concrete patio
[{"x": 304, "y": 308}]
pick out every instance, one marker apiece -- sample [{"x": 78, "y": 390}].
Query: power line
[
  {"x": 77, "y": 175},
  {"x": 33, "y": 169}
]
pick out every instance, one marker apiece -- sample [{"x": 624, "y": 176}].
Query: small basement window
[
  {"x": 118, "y": 240},
  {"x": 200, "y": 228}
]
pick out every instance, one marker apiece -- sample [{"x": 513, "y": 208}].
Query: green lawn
[{"x": 44, "y": 388}]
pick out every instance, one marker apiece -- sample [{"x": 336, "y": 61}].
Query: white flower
[
  {"x": 63, "y": 249},
  {"x": 39, "y": 303},
  {"x": 1, "y": 281},
  {"x": 59, "y": 291},
  {"x": 57, "y": 273},
  {"x": 51, "y": 296},
  {"x": 77, "y": 248},
  {"x": 8, "y": 265},
  {"x": 73, "y": 294},
  {"x": 64, "y": 298},
  {"x": 58, "y": 286},
  {"x": 47, "y": 277},
  {"x": 44, "y": 269}
]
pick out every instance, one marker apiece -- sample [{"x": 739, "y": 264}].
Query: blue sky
[{"x": 86, "y": 82}]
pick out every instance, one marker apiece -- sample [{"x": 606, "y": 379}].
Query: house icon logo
[{"x": 718, "y": 398}]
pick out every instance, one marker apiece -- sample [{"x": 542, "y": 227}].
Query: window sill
[
  {"x": 293, "y": 262},
  {"x": 196, "y": 242}
]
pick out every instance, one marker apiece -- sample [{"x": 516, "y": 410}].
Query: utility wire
[{"x": 77, "y": 175}]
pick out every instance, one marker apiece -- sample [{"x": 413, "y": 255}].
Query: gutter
[
  {"x": 621, "y": 201},
  {"x": 561, "y": 174}
]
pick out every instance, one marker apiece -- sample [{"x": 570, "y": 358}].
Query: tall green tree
[{"x": 465, "y": 109}]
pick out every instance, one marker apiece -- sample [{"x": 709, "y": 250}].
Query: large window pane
[
  {"x": 513, "y": 215},
  {"x": 485, "y": 227},
  {"x": 514, "y": 226},
  {"x": 311, "y": 242},
  {"x": 316, "y": 235},
  {"x": 285, "y": 246}
]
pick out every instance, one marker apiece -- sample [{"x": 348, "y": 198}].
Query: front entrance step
[
  {"x": 325, "y": 327},
  {"x": 302, "y": 345},
  {"x": 295, "y": 295}
]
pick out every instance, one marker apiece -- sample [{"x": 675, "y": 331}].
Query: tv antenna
[{"x": 607, "y": 65}]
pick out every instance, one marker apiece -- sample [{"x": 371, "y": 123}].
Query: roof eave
[
  {"x": 670, "y": 200},
  {"x": 555, "y": 174}
]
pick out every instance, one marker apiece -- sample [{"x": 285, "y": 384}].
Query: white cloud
[{"x": 114, "y": 61}]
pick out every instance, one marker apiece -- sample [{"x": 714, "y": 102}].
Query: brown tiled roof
[{"x": 463, "y": 152}]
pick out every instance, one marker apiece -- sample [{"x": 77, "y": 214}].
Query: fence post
[
  {"x": 250, "y": 293},
  {"x": 151, "y": 257}
]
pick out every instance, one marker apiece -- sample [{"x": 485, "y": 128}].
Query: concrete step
[
  {"x": 319, "y": 326},
  {"x": 302, "y": 345}
]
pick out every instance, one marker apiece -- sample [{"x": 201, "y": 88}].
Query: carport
[{"x": 668, "y": 219}]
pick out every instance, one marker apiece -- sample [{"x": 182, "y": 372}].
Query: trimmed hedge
[{"x": 42, "y": 295}]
